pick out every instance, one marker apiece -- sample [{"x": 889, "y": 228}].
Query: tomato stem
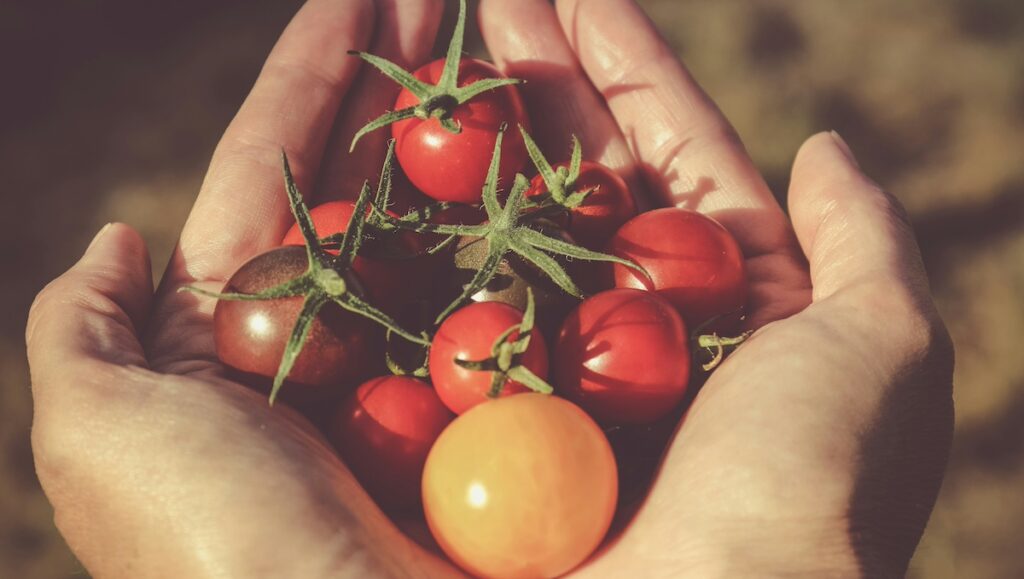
[
  {"x": 504, "y": 361},
  {"x": 716, "y": 346},
  {"x": 435, "y": 101},
  {"x": 504, "y": 232},
  {"x": 561, "y": 182},
  {"x": 328, "y": 278}
]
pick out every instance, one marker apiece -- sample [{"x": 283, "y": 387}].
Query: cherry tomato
[
  {"x": 609, "y": 205},
  {"x": 250, "y": 336},
  {"x": 385, "y": 266},
  {"x": 693, "y": 261},
  {"x": 523, "y": 486},
  {"x": 468, "y": 335},
  {"x": 384, "y": 432},
  {"x": 623, "y": 356},
  {"x": 453, "y": 167}
]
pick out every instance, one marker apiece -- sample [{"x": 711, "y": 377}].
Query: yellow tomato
[{"x": 523, "y": 486}]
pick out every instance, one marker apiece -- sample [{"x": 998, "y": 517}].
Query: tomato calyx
[
  {"x": 436, "y": 101},
  {"x": 561, "y": 182},
  {"x": 329, "y": 277},
  {"x": 717, "y": 347},
  {"x": 504, "y": 232},
  {"x": 397, "y": 368},
  {"x": 506, "y": 353}
]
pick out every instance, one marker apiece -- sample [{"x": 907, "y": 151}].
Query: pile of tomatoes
[{"x": 497, "y": 351}]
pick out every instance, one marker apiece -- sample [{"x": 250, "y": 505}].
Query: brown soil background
[{"x": 110, "y": 109}]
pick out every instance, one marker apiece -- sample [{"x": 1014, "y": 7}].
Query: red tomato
[
  {"x": 328, "y": 219},
  {"x": 453, "y": 167},
  {"x": 524, "y": 486},
  {"x": 623, "y": 356},
  {"x": 604, "y": 210},
  {"x": 468, "y": 335},
  {"x": 250, "y": 336},
  {"x": 693, "y": 261},
  {"x": 384, "y": 432},
  {"x": 384, "y": 267}
]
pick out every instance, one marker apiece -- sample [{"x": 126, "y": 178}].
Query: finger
[
  {"x": 850, "y": 229},
  {"x": 688, "y": 152},
  {"x": 93, "y": 312},
  {"x": 241, "y": 209},
  {"x": 526, "y": 42},
  {"x": 405, "y": 35}
]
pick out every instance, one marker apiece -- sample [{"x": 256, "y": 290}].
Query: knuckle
[{"x": 43, "y": 304}]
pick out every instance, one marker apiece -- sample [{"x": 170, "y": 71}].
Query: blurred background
[{"x": 110, "y": 109}]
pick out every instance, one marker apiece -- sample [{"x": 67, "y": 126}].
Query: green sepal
[
  {"x": 300, "y": 211},
  {"x": 549, "y": 266},
  {"x": 435, "y": 101},
  {"x": 290, "y": 288},
  {"x": 356, "y": 305},
  {"x": 480, "y": 280},
  {"x": 524, "y": 376},
  {"x": 303, "y": 323},
  {"x": 384, "y": 120}
]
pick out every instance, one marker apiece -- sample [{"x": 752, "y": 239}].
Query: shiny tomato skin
[
  {"x": 453, "y": 167},
  {"x": 250, "y": 336},
  {"x": 328, "y": 218},
  {"x": 523, "y": 486},
  {"x": 694, "y": 262},
  {"x": 468, "y": 334},
  {"x": 609, "y": 205},
  {"x": 383, "y": 432},
  {"x": 387, "y": 269},
  {"x": 623, "y": 356}
]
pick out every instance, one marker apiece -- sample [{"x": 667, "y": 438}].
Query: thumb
[
  {"x": 94, "y": 310},
  {"x": 851, "y": 231}
]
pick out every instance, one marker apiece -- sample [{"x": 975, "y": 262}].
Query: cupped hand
[{"x": 816, "y": 449}]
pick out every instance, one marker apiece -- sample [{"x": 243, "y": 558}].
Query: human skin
[{"x": 817, "y": 449}]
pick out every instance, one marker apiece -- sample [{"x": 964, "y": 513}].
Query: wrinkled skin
[{"x": 816, "y": 450}]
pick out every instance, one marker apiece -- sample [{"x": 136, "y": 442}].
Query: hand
[{"x": 816, "y": 449}]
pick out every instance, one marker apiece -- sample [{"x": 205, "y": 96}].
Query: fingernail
[
  {"x": 845, "y": 148},
  {"x": 99, "y": 234}
]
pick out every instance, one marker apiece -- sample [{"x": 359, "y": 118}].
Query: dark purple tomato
[{"x": 342, "y": 348}]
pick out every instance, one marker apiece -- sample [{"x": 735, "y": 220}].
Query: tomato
[
  {"x": 693, "y": 261},
  {"x": 384, "y": 431},
  {"x": 606, "y": 208},
  {"x": 453, "y": 167},
  {"x": 468, "y": 334},
  {"x": 328, "y": 219},
  {"x": 250, "y": 336},
  {"x": 523, "y": 486},
  {"x": 623, "y": 356},
  {"x": 385, "y": 266}
]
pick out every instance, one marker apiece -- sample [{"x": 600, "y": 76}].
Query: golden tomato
[{"x": 523, "y": 486}]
